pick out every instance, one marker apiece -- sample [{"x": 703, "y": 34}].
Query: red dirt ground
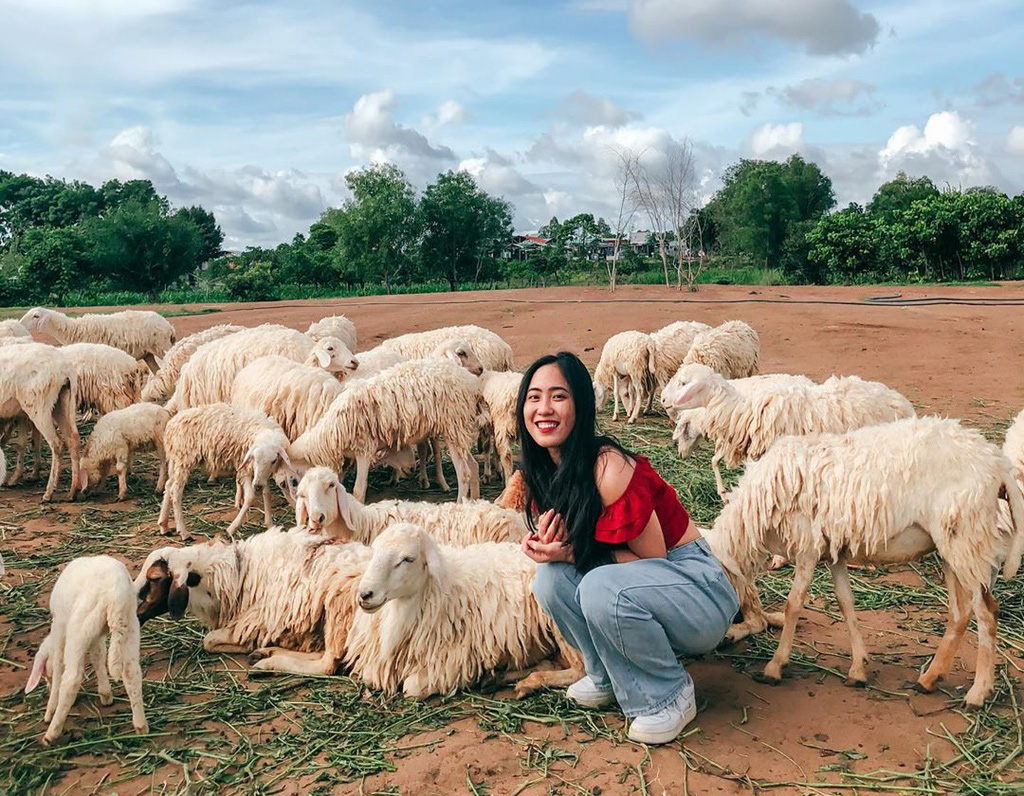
[{"x": 958, "y": 360}]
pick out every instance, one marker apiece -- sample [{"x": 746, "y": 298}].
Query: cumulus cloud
[
  {"x": 823, "y": 27},
  {"x": 828, "y": 97},
  {"x": 582, "y": 108},
  {"x": 448, "y": 112},
  {"x": 497, "y": 178},
  {"x": 777, "y": 140},
  {"x": 1015, "y": 140},
  {"x": 946, "y": 150},
  {"x": 374, "y": 134},
  {"x": 997, "y": 90}
]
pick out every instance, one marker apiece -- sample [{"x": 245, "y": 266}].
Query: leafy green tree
[
  {"x": 254, "y": 281},
  {"x": 27, "y": 202},
  {"x": 209, "y": 230},
  {"x": 54, "y": 262},
  {"x": 899, "y": 193},
  {"x": 139, "y": 192},
  {"x": 462, "y": 226},
  {"x": 843, "y": 247}
]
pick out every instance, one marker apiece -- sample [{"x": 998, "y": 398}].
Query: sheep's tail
[
  {"x": 39, "y": 668},
  {"x": 1016, "y": 501}
]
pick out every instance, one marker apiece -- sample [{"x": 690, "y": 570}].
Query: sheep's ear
[
  {"x": 345, "y": 506},
  {"x": 177, "y": 600},
  {"x": 322, "y": 357},
  {"x": 688, "y": 393},
  {"x": 83, "y": 476},
  {"x": 454, "y": 357},
  {"x": 38, "y": 669},
  {"x": 437, "y": 570},
  {"x": 301, "y": 512},
  {"x": 248, "y": 456}
]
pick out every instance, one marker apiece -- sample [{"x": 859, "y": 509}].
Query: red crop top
[{"x": 626, "y": 517}]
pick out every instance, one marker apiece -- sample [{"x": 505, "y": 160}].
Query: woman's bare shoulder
[{"x": 612, "y": 472}]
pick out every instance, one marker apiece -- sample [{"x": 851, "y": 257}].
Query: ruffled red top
[{"x": 625, "y": 518}]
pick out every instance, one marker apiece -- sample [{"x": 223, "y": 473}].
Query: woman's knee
[
  {"x": 598, "y": 594},
  {"x": 552, "y": 586}
]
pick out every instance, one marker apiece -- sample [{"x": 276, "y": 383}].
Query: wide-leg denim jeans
[{"x": 631, "y": 620}]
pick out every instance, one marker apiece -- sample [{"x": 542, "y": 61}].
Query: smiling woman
[{"x": 623, "y": 572}]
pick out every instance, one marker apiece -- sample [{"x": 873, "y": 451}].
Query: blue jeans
[{"x": 631, "y": 620}]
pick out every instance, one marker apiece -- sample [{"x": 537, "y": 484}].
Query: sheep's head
[
  {"x": 172, "y": 581},
  {"x": 153, "y": 585},
  {"x": 461, "y": 353},
  {"x": 600, "y": 394},
  {"x": 91, "y": 473},
  {"x": 694, "y": 386},
  {"x": 36, "y": 319},
  {"x": 688, "y": 430},
  {"x": 403, "y": 459},
  {"x": 266, "y": 459},
  {"x": 321, "y": 500},
  {"x": 405, "y": 560},
  {"x": 333, "y": 355}
]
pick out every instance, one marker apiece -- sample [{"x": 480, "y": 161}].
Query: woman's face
[{"x": 549, "y": 412}]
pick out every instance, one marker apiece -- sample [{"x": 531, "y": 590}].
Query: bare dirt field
[{"x": 213, "y": 729}]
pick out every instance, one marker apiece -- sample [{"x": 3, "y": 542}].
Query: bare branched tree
[{"x": 628, "y": 205}]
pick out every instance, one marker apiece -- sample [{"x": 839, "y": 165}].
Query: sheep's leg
[
  {"x": 37, "y": 453},
  {"x": 222, "y": 640},
  {"x": 421, "y": 455},
  {"x": 56, "y": 677},
  {"x": 615, "y": 396},
  {"x": 506, "y": 456},
  {"x": 794, "y": 606},
  {"x": 44, "y": 423},
  {"x": 63, "y": 416},
  {"x": 122, "y": 480},
  {"x": 238, "y": 494},
  {"x": 282, "y": 660},
  {"x": 442, "y": 482},
  {"x": 754, "y": 618},
  {"x": 470, "y": 473},
  {"x": 268, "y": 509},
  {"x": 131, "y": 676},
  {"x": 151, "y": 362},
  {"x": 165, "y": 504},
  {"x": 956, "y": 624},
  {"x": 248, "y": 495},
  {"x": 176, "y": 487},
  {"x": 552, "y": 678},
  {"x": 638, "y": 401},
  {"x": 719, "y": 482},
  {"x": 19, "y": 468},
  {"x": 70, "y": 684},
  {"x": 844, "y": 595},
  {"x": 986, "y": 610},
  {"x": 161, "y": 478},
  {"x": 98, "y": 658},
  {"x": 362, "y": 476}
]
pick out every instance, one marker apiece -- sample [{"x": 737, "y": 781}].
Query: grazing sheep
[
  {"x": 334, "y": 326},
  {"x": 114, "y": 441},
  {"x": 629, "y": 358},
  {"x": 92, "y": 598},
  {"x": 294, "y": 395},
  {"x": 161, "y": 385},
  {"x": 437, "y": 618},
  {"x": 108, "y": 378},
  {"x": 743, "y": 427},
  {"x": 880, "y": 495},
  {"x": 406, "y": 404},
  {"x": 12, "y": 328},
  {"x": 289, "y": 589},
  {"x": 324, "y": 506},
  {"x": 39, "y": 381},
  {"x": 144, "y": 334},
  {"x": 500, "y": 390},
  {"x": 18, "y": 433},
  {"x": 208, "y": 375},
  {"x": 226, "y": 439},
  {"x": 732, "y": 349},
  {"x": 671, "y": 345},
  {"x": 493, "y": 352}
]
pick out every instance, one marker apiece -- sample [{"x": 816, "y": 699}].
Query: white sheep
[
  {"x": 376, "y": 360},
  {"x": 39, "y": 381},
  {"x": 404, "y": 405},
  {"x": 500, "y": 391},
  {"x": 144, "y": 334},
  {"x": 732, "y": 349},
  {"x": 879, "y": 495},
  {"x": 208, "y": 375},
  {"x": 437, "y": 618},
  {"x": 288, "y": 589},
  {"x": 92, "y": 598},
  {"x": 293, "y": 394},
  {"x": 324, "y": 506},
  {"x": 11, "y": 328},
  {"x": 116, "y": 438},
  {"x": 626, "y": 367},
  {"x": 108, "y": 378},
  {"x": 334, "y": 326},
  {"x": 743, "y": 427},
  {"x": 493, "y": 352},
  {"x": 226, "y": 439},
  {"x": 161, "y": 385},
  {"x": 1013, "y": 446},
  {"x": 671, "y": 345}
]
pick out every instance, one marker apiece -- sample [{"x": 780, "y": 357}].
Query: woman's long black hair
[{"x": 570, "y": 487}]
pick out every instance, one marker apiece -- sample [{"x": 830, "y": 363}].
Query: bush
[{"x": 253, "y": 283}]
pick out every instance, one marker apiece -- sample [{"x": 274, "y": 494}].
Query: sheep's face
[
  {"x": 288, "y": 482},
  {"x": 321, "y": 500},
  {"x": 403, "y": 459},
  {"x": 91, "y": 473},
  {"x": 693, "y": 385},
  {"x": 333, "y": 356},
  {"x": 405, "y": 559},
  {"x": 266, "y": 461},
  {"x": 600, "y": 395},
  {"x": 687, "y": 432},
  {"x": 35, "y": 319},
  {"x": 462, "y": 354}
]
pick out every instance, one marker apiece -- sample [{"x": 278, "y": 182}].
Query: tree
[
  {"x": 54, "y": 261},
  {"x": 899, "y": 193},
  {"x": 843, "y": 247},
  {"x": 209, "y": 230},
  {"x": 628, "y": 205},
  {"x": 462, "y": 226}
]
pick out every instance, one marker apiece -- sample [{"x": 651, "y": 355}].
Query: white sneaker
[
  {"x": 586, "y": 693},
  {"x": 667, "y": 723}
]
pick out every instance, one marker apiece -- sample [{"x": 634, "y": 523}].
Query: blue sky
[{"x": 257, "y": 110}]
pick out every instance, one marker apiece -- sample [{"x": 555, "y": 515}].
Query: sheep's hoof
[
  {"x": 106, "y": 699},
  {"x": 47, "y": 740},
  {"x": 257, "y": 673},
  {"x": 856, "y": 682},
  {"x": 256, "y": 656},
  {"x": 768, "y": 678},
  {"x": 921, "y": 688},
  {"x": 142, "y": 729},
  {"x": 975, "y": 699}
]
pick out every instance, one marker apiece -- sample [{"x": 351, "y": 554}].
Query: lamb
[
  {"x": 39, "y": 381},
  {"x": 437, "y": 618},
  {"x": 732, "y": 349},
  {"x": 406, "y": 404},
  {"x": 227, "y": 439},
  {"x": 334, "y": 326},
  {"x": 108, "y": 378},
  {"x": 744, "y": 427},
  {"x": 1013, "y": 446},
  {"x": 493, "y": 352},
  {"x": 161, "y": 385},
  {"x": 628, "y": 357},
  {"x": 116, "y": 438},
  {"x": 92, "y": 598},
  {"x": 882, "y": 494},
  {"x": 671, "y": 345},
  {"x": 208, "y": 375},
  {"x": 144, "y": 334},
  {"x": 11, "y": 328},
  {"x": 500, "y": 391},
  {"x": 324, "y": 506},
  {"x": 285, "y": 588}
]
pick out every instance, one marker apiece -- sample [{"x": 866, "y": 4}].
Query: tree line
[{"x": 60, "y": 238}]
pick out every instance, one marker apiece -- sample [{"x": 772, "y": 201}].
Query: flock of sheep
[{"x": 426, "y": 598}]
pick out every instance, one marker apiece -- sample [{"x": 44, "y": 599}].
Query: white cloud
[
  {"x": 582, "y": 108},
  {"x": 828, "y": 97},
  {"x": 774, "y": 140},
  {"x": 373, "y": 134},
  {"x": 822, "y": 26},
  {"x": 448, "y": 112},
  {"x": 1015, "y": 140},
  {"x": 946, "y": 150},
  {"x": 997, "y": 90}
]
